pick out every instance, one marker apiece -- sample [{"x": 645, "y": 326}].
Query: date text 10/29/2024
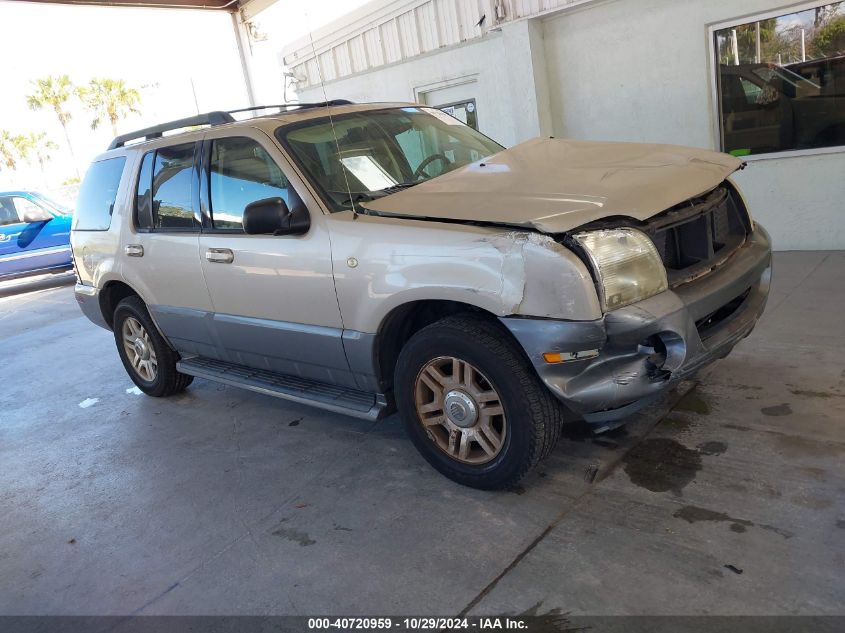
[{"x": 419, "y": 624}]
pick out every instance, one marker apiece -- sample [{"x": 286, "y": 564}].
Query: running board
[{"x": 359, "y": 404}]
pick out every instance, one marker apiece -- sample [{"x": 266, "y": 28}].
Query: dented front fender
[{"x": 382, "y": 263}]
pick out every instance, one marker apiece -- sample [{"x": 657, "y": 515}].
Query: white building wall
[
  {"x": 639, "y": 70},
  {"x": 483, "y": 62},
  {"x": 625, "y": 70}
]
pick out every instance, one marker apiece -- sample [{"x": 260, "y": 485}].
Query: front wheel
[
  {"x": 148, "y": 359},
  {"x": 472, "y": 404}
]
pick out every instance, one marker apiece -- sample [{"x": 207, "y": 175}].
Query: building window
[{"x": 781, "y": 82}]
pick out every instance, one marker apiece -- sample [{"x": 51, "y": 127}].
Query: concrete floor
[{"x": 221, "y": 501}]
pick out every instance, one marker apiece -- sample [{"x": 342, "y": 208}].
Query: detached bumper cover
[{"x": 645, "y": 348}]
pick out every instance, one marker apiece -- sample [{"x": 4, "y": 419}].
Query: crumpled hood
[{"x": 555, "y": 185}]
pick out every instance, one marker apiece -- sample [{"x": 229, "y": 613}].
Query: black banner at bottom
[{"x": 552, "y": 623}]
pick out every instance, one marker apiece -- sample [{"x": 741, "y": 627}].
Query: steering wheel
[{"x": 427, "y": 161}]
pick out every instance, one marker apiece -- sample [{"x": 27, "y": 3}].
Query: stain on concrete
[
  {"x": 809, "y": 393},
  {"x": 712, "y": 448},
  {"x": 737, "y": 427},
  {"x": 295, "y": 422},
  {"x": 694, "y": 514},
  {"x": 341, "y": 528},
  {"x": 819, "y": 474},
  {"x": 800, "y": 446},
  {"x": 840, "y": 523},
  {"x": 678, "y": 424},
  {"x": 662, "y": 465},
  {"x": 693, "y": 403},
  {"x": 777, "y": 410},
  {"x": 294, "y": 535},
  {"x": 812, "y": 502},
  {"x": 552, "y": 620}
]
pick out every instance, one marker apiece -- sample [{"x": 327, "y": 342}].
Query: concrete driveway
[{"x": 725, "y": 498}]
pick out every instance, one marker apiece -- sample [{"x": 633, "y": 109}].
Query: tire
[
  {"x": 163, "y": 380},
  {"x": 525, "y": 432}
]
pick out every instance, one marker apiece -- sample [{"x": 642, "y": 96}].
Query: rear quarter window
[{"x": 95, "y": 204}]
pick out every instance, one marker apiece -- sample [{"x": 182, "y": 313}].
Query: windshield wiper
[
  {"x": 399, "y": 186},
  {"x": 358, "y": 197}
]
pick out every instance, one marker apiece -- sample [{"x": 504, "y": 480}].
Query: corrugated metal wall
[{"x": 400, "y": 29}]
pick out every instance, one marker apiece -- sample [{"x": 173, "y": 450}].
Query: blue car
[{"x": 34, "y": 234}]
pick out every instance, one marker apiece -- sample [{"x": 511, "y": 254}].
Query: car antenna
[{"x": 331, "y": 119}]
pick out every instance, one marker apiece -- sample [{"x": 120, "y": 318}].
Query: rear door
[
  {"x": 274, "y": 296},
  {"x": 31, "y": 236},
  {"x": 160, "y": 255}
]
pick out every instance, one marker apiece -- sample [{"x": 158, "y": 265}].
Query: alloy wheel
[
  {"x": 460, "y": 410},
  {"x": 139, "y": 349}
]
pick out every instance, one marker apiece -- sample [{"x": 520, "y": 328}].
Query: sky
[{"x": 182, "y": 61}]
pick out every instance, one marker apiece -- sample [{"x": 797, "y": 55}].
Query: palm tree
[
  {"x": 22, "y": 145},
  {"x": 109, "y": 99},
  {"x": 41, "y": 147},
  {"x": 8, "y": 153},
  {"x": 54, "y": 92}
]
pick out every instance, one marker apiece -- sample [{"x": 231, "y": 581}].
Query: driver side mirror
[
  {"x": 271, "y": 216},
  {"x": 33, "y": 215}
]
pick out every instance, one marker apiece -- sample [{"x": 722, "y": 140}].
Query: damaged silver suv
[{"x": 364, "y": 257}]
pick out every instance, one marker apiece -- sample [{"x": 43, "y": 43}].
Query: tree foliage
[
  {"x": 8, "y": 153},
  {"x": 109, "y": 99},
  {"x": 829, "y": 39},
  {"x": 55, "y": 92},
  {"x": 52, "y": 92}
]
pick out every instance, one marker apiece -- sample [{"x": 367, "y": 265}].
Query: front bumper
[{"x": 645, "y": 348}]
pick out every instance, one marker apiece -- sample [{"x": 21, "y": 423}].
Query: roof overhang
[{"x": 208, "y": 5}]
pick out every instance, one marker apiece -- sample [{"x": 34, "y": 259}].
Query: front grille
[{"x": 696, "y": 236}]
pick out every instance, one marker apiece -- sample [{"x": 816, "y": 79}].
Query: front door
[
  {"x": 31, "y": 237},
  {"x": 274, "y": 298}
]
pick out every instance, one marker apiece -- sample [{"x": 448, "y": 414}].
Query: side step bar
[{"x": 359, "y": 404}]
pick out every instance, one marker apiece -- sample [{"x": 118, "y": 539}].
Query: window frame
[
  {"x": 205, "y": 183},
  {"x": 195, "y": 193},
  {"x": 713, "y": 69}
]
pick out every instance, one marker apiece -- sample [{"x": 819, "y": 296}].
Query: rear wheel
[
  {"x": 473, "y": 405},
  {"x": 148, "y": 359}
]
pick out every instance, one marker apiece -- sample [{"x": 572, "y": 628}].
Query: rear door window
[
  {"x": 143, "y": 193},
  {"x": 172, "y": 199},
  {"x": 95, "y": 203}
]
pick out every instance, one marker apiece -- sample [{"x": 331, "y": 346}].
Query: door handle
[
  {"x": 220, "y": 255},
  {"x": 133, "y": 250}
]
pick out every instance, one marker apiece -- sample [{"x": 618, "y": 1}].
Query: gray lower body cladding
[{"x": 645, "y": 348}]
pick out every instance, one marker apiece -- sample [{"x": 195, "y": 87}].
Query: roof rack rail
[
  {"x": 299, "y": 106},
  {"x": 209, "y": 118},
  {"x": 218, "y": 117}
]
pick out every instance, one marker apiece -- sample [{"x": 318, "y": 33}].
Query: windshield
[{"x": 381, "y": 151}]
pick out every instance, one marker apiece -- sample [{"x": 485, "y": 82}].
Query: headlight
[{"x": 627, "y": 264}]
